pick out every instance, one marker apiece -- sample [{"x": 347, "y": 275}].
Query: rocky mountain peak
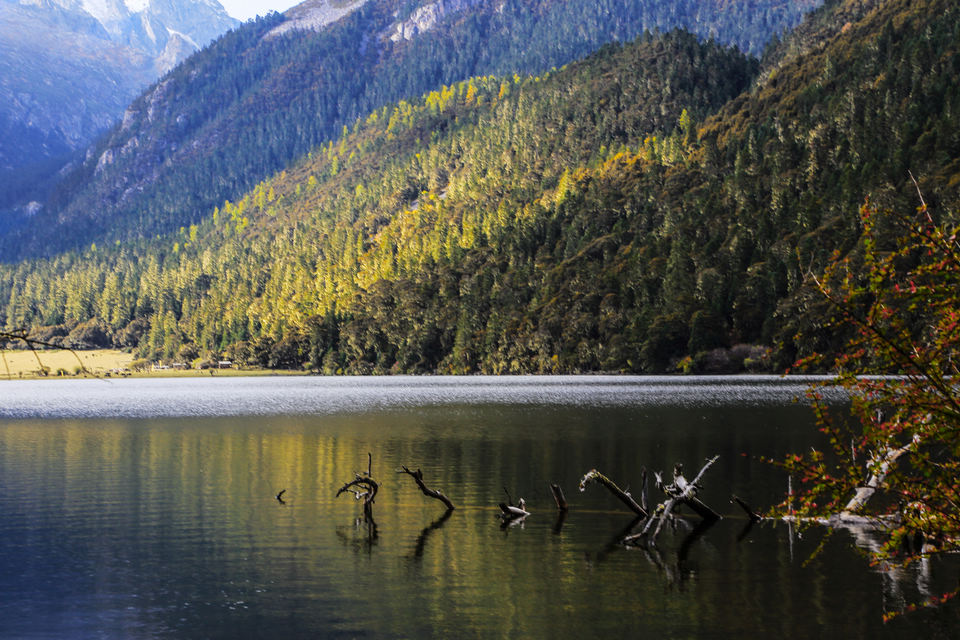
[{"x": 69, "y": 67}]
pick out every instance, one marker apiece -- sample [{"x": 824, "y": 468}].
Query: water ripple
[{"x": 184, "y": 397}]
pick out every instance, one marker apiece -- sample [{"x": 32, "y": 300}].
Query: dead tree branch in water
[
  {"x": 430, "y": 493},
  {"x": 880, "y": 465},
  {"x": 510, "y": 513},
  {"x": 595, "y": 476},
  {"x": 681, "y": 491},
  {"x": 363, "y": 487}
]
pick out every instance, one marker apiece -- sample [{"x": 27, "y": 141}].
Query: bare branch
[
  {"x": 595, "y": 476},
  {"x": 430, "y": 493}
]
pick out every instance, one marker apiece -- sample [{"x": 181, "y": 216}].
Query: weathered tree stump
[{"x": 559, "y": 497}]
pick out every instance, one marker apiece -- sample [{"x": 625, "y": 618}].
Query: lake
[{"x": 147, "y": 508}]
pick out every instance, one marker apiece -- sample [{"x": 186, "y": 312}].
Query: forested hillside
[
  {"x": 250, "y": 104},
  {"x": 431, "y": 215},
  {"x": 647, "y": 209}
]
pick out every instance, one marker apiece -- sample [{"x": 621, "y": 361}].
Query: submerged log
[
  {"x": 852, "y": 517},
  {"x": 430, "y": 493},
  {"x": 595, "y": 476},
  {"x": 363, "y": 489}
]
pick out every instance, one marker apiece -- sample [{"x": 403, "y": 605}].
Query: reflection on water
[{"x": 171, "y": 527}]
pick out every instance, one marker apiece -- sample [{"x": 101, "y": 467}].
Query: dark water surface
[{"x": 146, "y": 509}]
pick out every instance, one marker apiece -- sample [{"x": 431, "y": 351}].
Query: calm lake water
[{"x": 147, "y": 509}]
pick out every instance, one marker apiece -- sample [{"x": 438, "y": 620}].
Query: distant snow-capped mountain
[
  {"x": 68, "y": 68},
  {"x": 146, "y": 25}
]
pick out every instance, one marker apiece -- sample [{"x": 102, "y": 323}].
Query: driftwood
[
  {"x": 681, "y": 491},
  {"x": 512, "y": 514},
  {"x": 595, "y": 476},
  {"x": 363, "y": 487},
  {"x": 851, "y": 517},
  {"x": 430, "y": 493},
  {"x": 880, "y": 467},
  {"x": 686, "y": 492},
  {"x": 752, "y": 517}
]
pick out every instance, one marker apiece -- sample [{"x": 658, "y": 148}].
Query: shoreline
[{"x": 64, "y": 364}]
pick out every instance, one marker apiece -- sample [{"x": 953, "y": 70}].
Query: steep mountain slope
[
  {"x": 452, "y": 173},
  {"x": 266, "y": 95},
  {"x": 68, "y": 69},
  {"x": 596, "y": 218},
  {"x": 41, "y": 77}
]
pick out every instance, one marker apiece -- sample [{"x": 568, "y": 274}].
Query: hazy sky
[{"x": 245, "y": 9}]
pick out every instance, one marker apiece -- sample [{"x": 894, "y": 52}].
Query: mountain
[
  {"x": 68, "y": 69},
  {"x": 276, "y": 88},
  {"x": 655, "y": 206},
  {"x": 149, "y": 26},
  {"x": 455, "y": 173}
]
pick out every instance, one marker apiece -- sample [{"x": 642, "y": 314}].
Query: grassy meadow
[
  {"x": 26, "y": 364},
  {"x": 19, "y": 364}
]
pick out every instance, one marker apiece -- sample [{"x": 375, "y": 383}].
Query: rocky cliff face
[
  {"x": 314, "y": 15},
  {"x": 426, "y": 17}
]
